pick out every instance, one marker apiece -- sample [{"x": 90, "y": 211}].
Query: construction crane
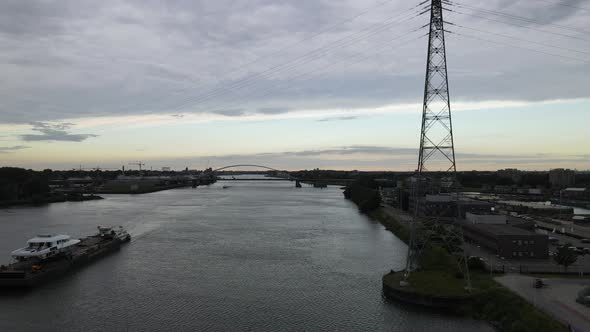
[{"x": 139, "y": 163}]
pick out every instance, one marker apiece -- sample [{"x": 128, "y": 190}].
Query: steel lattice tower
[
  {"x": 436, "y": 139},
  {"x": 437, "y": 151}
]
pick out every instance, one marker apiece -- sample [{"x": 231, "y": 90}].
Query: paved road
[{"x": 558, "y": 299}]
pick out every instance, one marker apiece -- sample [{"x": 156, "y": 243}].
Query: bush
[
  {"x": 366, "y": 198},
  {"x": 476, "y": 264}
]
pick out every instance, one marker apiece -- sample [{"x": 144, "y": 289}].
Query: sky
[{"x": 288, "y": 84}]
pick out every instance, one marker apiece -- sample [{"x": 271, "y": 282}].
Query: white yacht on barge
[
  {"x": 44, "y": 246},
  {"x": 49, "y": 256}
]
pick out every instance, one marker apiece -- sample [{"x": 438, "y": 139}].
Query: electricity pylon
[{"x": 437, "y": 151}]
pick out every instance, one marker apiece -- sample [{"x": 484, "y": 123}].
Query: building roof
[
  {"x": 533, "y": 205},
  {"x": 496, "y": 230},
  {"x": 576, "y": 189}
]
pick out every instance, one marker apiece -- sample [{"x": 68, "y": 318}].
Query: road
[{"x": 558, "y": 299}]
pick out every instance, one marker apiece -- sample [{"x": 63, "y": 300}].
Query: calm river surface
[{"x": 257, "y": 256}]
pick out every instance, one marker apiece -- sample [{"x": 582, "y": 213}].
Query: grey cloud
[
  {"x": 402, "y": 158},
  {"x": 338, "y": 118},
  {"x": 230, "y": 112},
  {"x": 399, "y": 158},
  {"x": 273, "y": 110},
  {"x": 547, "y": 12},
  {"x": 8, "y": 149},
  {"x": 109, "y": 58},
  {"x": 54, "y": 132}
]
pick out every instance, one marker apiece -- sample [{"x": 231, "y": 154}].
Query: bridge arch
[{"x": 248, "y": 165}]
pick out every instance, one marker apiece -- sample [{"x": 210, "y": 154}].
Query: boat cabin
[
  {"x": 47, "y": 241},
  {"x": 44, "y": 246}
]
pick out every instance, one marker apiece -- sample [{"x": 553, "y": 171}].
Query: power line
[
  {"x": 314, "y": 54},
  {"x": 219, "y": 87},
  {"x": 314, "y": 73},
  {"x": 518, "y": 46},
  {"x": 565, "y": 5},
  {"x": 311, "y": 37},
  {"x": 521, "y": 39},
  {"x": 307, "y": 57},
  {"x": 292, "y": 69}
]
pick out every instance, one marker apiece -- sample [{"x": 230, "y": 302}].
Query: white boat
[
  {"x": 44, "y": 246},
  {"x": 119, "y": 233}
]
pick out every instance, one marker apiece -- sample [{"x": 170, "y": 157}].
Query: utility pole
[{"x": 437, "y": 150}]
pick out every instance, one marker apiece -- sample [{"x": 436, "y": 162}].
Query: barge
[{"x": 47, "y": 257}]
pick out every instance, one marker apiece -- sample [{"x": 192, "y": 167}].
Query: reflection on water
[{"x": 260, "y": 256}]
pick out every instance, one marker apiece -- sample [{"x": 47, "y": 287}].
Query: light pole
[{"x": 560, "y": 203}]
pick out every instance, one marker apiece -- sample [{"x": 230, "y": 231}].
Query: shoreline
[
  {"x": 138, "y": 191},
  {"x": 49, "y": 200}
]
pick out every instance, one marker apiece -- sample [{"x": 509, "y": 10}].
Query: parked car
[
  {"x": 585, "y": 240},
  {"x": 538, "y": 283}
]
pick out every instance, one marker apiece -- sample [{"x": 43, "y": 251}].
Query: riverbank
[
  {"x": 55, "y": 198},
  {"x": 138, "y": 189},
  {"x": 444, "y": 288}
]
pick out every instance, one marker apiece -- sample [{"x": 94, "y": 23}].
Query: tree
[{"x": 565, "y": 256}]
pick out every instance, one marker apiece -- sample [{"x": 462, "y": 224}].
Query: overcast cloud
[
  {"x": 74, "y": 59},
  {"x": 54, "y": 132},
  {"x": 9, "y": 149}
]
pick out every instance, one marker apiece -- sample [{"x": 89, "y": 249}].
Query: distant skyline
[{"x": 288, "y": 84}]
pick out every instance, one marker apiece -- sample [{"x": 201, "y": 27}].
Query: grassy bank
[
  {"x": 490, "y": 301},
  {"x": 392, "y": 224}
]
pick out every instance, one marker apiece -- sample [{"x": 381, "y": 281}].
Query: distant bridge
[
  {"x": 248, "y": 165},
  {"x": 281, "y": 175}
]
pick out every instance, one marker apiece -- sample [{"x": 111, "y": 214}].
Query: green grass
[
  {"x": 490, "y": 300},
  {"x": 436, "y": 283},
  {"x": 392, "y": 224}
]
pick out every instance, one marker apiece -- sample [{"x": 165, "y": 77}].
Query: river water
[{"x": 257, "y": 256}]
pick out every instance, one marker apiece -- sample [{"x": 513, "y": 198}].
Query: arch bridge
[{"x": 281, "y": 174}]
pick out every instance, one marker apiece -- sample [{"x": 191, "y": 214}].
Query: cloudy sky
[{"x": 288, "y": 84}]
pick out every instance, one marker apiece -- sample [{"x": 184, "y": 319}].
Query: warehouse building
[{"x": 507, "y": 241}]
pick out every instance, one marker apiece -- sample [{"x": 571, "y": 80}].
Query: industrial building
[
  {"x": 581, "y": 194},
  {"x": 560, "y": 177},
  {"x": 507, "y": 241},
  {"x": 446, "y": 205},
  {"x": 536, "y": 208}
]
